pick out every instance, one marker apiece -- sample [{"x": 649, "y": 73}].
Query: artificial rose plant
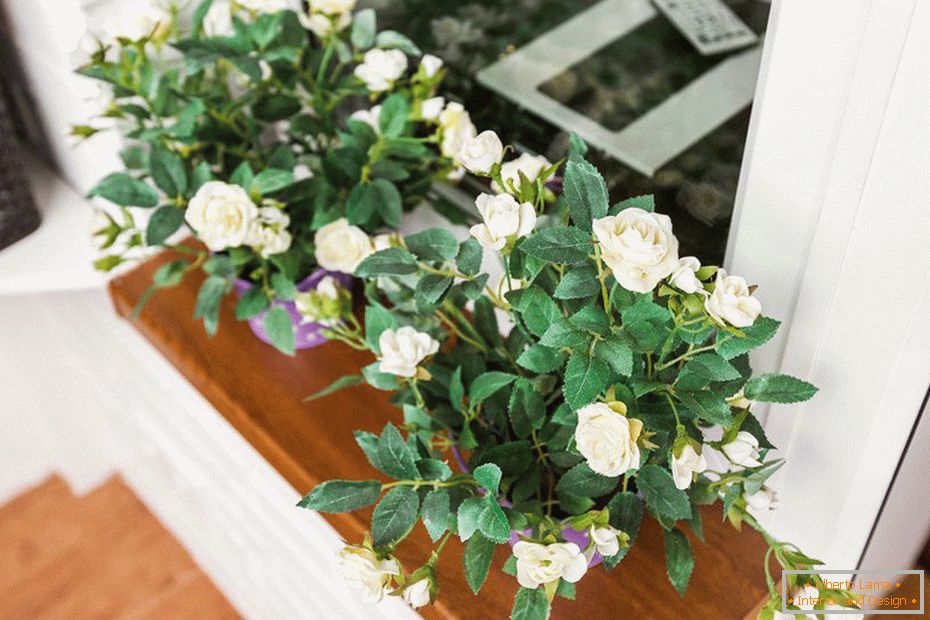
[
  {"x": 622, "y": 390},
  {"x": 281, "y": 136}
]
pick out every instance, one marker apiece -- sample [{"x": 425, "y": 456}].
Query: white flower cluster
[
  {"x": 539, "y": 564},
  {"x": 224, "y": 216},
  {"x": 373, "y": 576},
  {"x": 381, "y": 68},
  {"x": 324, "y": 17},
  {"x": 327, "y": 304}
]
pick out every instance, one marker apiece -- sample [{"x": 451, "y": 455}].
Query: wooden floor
[{"x": 103, "y": 555}]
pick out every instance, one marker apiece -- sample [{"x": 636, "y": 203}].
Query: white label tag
[{"x": 710, "y": 25}]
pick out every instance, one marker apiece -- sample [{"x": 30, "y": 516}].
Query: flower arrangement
[
  {"x": 622, "y": 388},
  {"x": 280, "y": 136}
]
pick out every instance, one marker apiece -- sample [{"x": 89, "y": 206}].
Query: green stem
[
  {"x": 686, "y": 356},
  {"x": 602, "y": 277},
  {"x": 436, "y": 484}
]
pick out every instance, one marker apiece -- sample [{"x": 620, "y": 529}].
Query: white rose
[
  {"x": 221, "y": 214},
  {"x": 541, "y": 564},
  {"x": 739, "y": 400},
  {"x": 322, "y": 25},
  {"x": 743, "y": 450},
  {"x": 638, "y": 246},
  {"x": 302, "y": 172},
  {"x": 380, "y": 68},
  {"x": 332, "y": 7},
  {"x": 456, "y": 175},
  {"x": 607, "y": 440},
  {"x": 431, "y": 65},
  {"x": 136, "y": 21},
  {"x": 268, "y": 234},
  {"x": 328, "y": 287},
  {"x": 402, "y": 350},
  {"x": 481, "y": 153},
  {"x": 417, "y": 594},
  {"x": 457, "y": 128},
  {"x": 369, "y": 574},
  {"x": 371, "y": 117},
  {"x": 218, "y": 20},
  {"x": 762, "y": 500},
  {"x": 431, "y": 108},
  {"x": 732, "y": 302},
  {"x": 605, "y": 540},
  {"x": 684, "y": 278},
  {"x": 382, "y": 242},
  {"x": 504, "y": 220},
  {"x": 530, "y": 165},
  {"x": 341, "y": 247},
  {"x": 686, "y": 465}
]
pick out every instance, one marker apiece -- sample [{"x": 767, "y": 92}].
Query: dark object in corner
[{"x": 18, "y": 214}]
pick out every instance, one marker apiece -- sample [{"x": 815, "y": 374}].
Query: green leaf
[
  {"x": 252, "y": 303},
  {"x": 394, "y": 516},
  {"x": 757, "y": 334},
  {"x": 541, "y": 359},
  {"x": 578, "y": 283},
  {"x": 396, "y": 457},
  {"x": 394, "y": 113},
  {"x": 479, "y": 551},
  {"x": 712, "y": 367},
  {"x": 363, "y": 29},
  {"x": 335, "y": 386},
  {"x": 283, "y": 286},
  {"x": 126, "y": 191},
  {"x": 272, "y": 181},
  {"x": 276, "y": 107},
  {"x": 662, "y": 497},
  {"x": 585, "y": 378},
  {"x": 487, "y": 384},
  {"x": 566, "y": 589},
  {"x": 617, "y": 354},
  {"x": 392, "y": 39},
  {"x": 563, "y": 334},
  {"x": 530, "y": 605},
  {"x": 165, "y": 221},
  {"x": 168, "y": 172},
  {"x": 342, "y": 495},
  {"x": 489, "y": 477},
  {"x": 265, "y": 28},
  {"x": 468, "y": 515},
  {"x": 242, "y": 176},
  {"x": 378, "y": 379},
  {"x": 585, "y": 192},
  {"x": 581, "y": 481},
  {"x": 592, "y": 319},
  {"x": 389, "y": 262},
  {"x": 200, "y": 176},
  {"x": 536, "y": 308},
  {"x": 493, "y": 522},
  {"x": 377, "y": 198},
  {"x": 526, "y": 407},
  {"x": 775, "y": 388},
  {"x": 456, "y": 389},
  {"x": 208, "y": 302},
  {"x": 469, "y": 257},
  {"x": 707, "y": 406},
  {"x": 678, "y": 559},
  {"x": 577, "y": 148},
  {"x": 435, "y": 513},
  {"x": 626, "y": 514},
  {"x": 646, "y": 202},
  {"x": 280, "y": 329},
  {"x": 368, "y": 442},
  {"x": 433, "y": 244},
  {"x": 430, "y": 469},
  {"x": 561, "y": 244},
  {"x": 377, "y": 319},
  {"x": 170, "y": 274}
]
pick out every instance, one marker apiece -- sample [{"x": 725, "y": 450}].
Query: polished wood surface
[
  {"x": 261, "y": 392},
  {"x": 103, "y": 555}
]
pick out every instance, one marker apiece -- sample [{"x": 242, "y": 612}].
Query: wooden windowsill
[{"x": 260, "y": 392}]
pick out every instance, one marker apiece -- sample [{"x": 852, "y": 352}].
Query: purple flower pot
[
  {"x": 306, "y": 335},
  {"x": 582, "y": 539}
]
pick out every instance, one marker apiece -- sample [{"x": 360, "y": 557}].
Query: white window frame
[{"x": 832, "y": 221}]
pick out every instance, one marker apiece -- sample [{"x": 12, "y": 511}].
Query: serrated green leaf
[
  {"x": 165, "y": 221},
  {"x": 378, "y": 379},
  {"x": 252, "y": 303},
  {"x": 390, "y": 39},
  {"x": 626, "y": 514},
  {"x": 168, "y": 171},
  {"x": 342, "y": 495},
  {"x": 394, "y": 113},
  {"x": 541, "y": 359},
  {"x": 493, "y": 522},
  {"x": 489, "y": 477},
  {"x": 468, "y": 515},
  {"x": 678, "y": 559},
  {"x": 377, "y": 319},
  {"x": 487, "y": 384},
  {"x": 617, "y": 354},
  {"x": 775, "y": 388},
  {"x": 646, "y": 202},
  {"x": 536, "y": 308},
  {"x": 280, "y": 329},
  {"x": 283, "y": 287},
  {"x": 479, "y": 551},
  {"x": 364, "y": 29},
  {"x": 272, "y": 181},
  {"x": 432, "y": 469},
  {"x": 585, "y": 192},
  {"x": 530, "y": 605},
  {"x": 435, "y": 513},
  {"x": 394, "y": 516},
  {"x": 563, "y": 334},
  {"x": 126, "y": 191},
  {"x": 662, "y": 496},
  {"x": 389, "y": 262},
  {"x": 585, "y": 378},
  {"x": 457, "y": 389},
  {"x": 433, "y": 244},
  {"x": 578, "y": 283},
  {"x": 707, "y": 406},
  {"x": 561, "y": 244},
  {"x": 757, "y": 334},
  {"x": 395, "y": 456},
  {"x": 469, "y": 257},
  {"x": 581, "y": 481}
]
